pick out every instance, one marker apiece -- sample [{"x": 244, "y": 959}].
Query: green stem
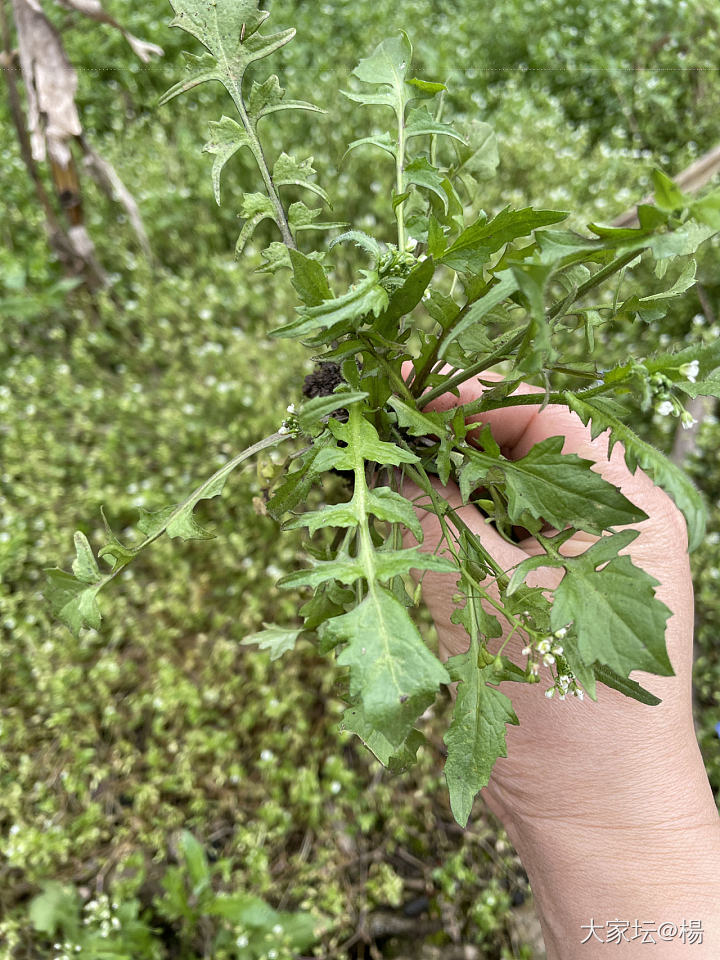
[
  {"x": 198, "y": 494},
  {"x": 502, "y": 352},
  {"x": 259, "y": 154},
  {"x": 400, "y": 177}
]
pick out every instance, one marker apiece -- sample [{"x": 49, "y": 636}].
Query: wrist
[{"x": 632, "y": 857}]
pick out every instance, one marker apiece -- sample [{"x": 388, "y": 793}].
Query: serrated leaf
[
  {"x": 637, "y": 452},
  {"x": 343, "y": 569},
  {"x": 404, "y": 300},
  {"x": 476, "y": 736},
  {"x": 421, "y": 123},
  {"x": 560, "y": 488},
  {"x": 422, "y": 173},
  {"x": 276, "y": 256},
  {"x": 278, "y": 640},
  {"x": 388, "y": 63},
  {"x": 269, "y": 97},
  {"x": 289, "y": 171},
  {"x": 391, "y": 669},
  {"x": 394, "y": 563},
  {"x": 382, "y": 140},
  {"x": 204, "y": 67},
  {"x": 366, "y": 297},
  {"x": 227, "y": 138},
  {"x": 396, "y": 759},
  {"x": 416, "y": 423},
  {"x": 360, "y": 239},
  {"x": 385, "y": 504},
  {"x": 73, "y": 602},
  {"x": 314, "y": 410},
  {"x": 363, "y": 441},
  {"x": 476, "y": 244},
  {"x": 617, "y": 618},
  {"x": 229, "y": 29}
]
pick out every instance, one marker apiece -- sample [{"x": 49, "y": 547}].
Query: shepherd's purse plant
[{"x": 443, "y": 301}]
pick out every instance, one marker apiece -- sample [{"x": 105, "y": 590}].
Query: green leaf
[
  {"x": 255, "y": 208},
  {"x": 364, "y": 441},
  {"x": 195, "y": 861},
  {"x": 278, "y": 640},
  {"x": 382, "y": 140},
  {"x": 422, "y": 173},
  {"x": 388, "y": 63},
  {"x": 291, "y": 172},
  {"x": 362, "y": 240},
  {"x": 476, "y": 735},
  {"x": 559, "y": 488},
  {"x": 404, "y": 300},
  {"x": 396, "y": 759},
  {"x": 416, "y": 423},
  {"x": 227, "y": 137},
  {"x": 344, "y": 569},
  {"x": 229, "y": 29},
  {"x": 56, "y": 908},
  {"x": 85, "y": 565},
  {"x": 475, "y": 245},
  {"x": 667, "y": 194},
  {"x": 536, "y": 350},
  {"x": 394, "y": 563},
  {"x": 631, "y": 688},
  {"x": 309, "y": 279},
  {"x": 617, "y": 618},
  {"x": 421, "y": 123},
  {"x": 366, "y": 297},
  {"x": 478, "y": 155},
  {"x": 385, "y": 504},
  {"x": 312, "y": 411},
  {"x": 507, "y": 285},
  {"x": 269, "y": 97},
  {"x": 391, "y": 669},
  {"x": 661, "y": 470},
  {"x": 73, "y": 602}
]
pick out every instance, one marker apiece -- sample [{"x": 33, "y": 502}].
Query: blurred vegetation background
[{"x": 126, "y": 396}]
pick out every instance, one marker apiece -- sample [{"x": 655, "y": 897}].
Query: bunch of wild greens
[{"x": 455, "y": 296}]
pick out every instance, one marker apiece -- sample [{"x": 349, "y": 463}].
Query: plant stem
[
  {"x": 399, "y": 176},
  {"x": 259, "y": 154},
  {"x": 607, "y": 271},
  {"x": 197, "y": 494}
]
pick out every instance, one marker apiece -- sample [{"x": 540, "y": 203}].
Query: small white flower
[
  {"x": 526, "y": 651},
  {"x": 557, "y": 649},
  {"x": 687, "y": 419},
  {"x": 562, "y": 632},
  {"x": 267, "y": 755},
  {"x": 548, "y": 659},
  {"x": 242, "y": 941},
  {"x": 535, "y": 668},
  {"x": 561, "y": 697},
  {"x": 544, "y": 646},
  {"x": 579, "y": 694},
  {"x": 291, "y": 408},
  {"x": 690, "y": 370},
  {"x": 550, "y": 693},
  {"x": 665, "y": 409},
  {"x": 277, "y": 929},
  {"x": 283, "y": 429},
  {"x": 411, "y": 243},
  {"x": 335, "y": 787}
]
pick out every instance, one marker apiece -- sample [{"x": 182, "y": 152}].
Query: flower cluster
[
  {"x": 550, "y": 651},
  {"x": 290, "y": 423},
  {"x": 666, "y": 404}
]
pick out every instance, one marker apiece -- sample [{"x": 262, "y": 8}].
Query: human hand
[{"x": 599, "y": 773}]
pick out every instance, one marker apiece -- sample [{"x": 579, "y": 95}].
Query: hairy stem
[{"x": 259, "y": 154}]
